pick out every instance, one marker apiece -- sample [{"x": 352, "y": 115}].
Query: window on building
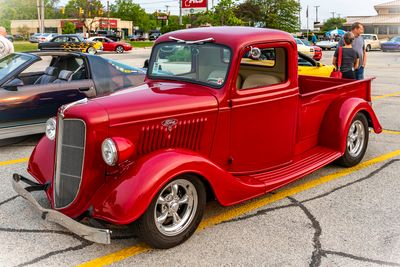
[
  {"x": 394, "y": 10},
  {"x": 393, "y": 29}
]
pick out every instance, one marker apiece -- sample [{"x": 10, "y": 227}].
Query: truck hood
[{"x": 153, "y": 100}]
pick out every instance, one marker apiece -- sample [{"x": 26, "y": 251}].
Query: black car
[
  {"x": 34, "y": 85},
  {"x": 71, "y": 42}
]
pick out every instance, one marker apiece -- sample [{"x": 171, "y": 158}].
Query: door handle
[{"x": 84, "y": 89}]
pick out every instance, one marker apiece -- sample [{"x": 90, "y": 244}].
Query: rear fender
[
  {"x": 126, "y": 198},
  {"x": 337, "y": 120}
]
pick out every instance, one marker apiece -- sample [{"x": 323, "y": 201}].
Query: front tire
[
  {"x": 91, "y": 50},
  {"x": 356, "y": 141},
  {"x": 119, "y": 49},
  {"x": 174, "y": 213},
  {"x": 368, "y": 48}
]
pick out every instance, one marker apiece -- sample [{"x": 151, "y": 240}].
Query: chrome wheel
[
  {"x": 91, "y": 50},
  {"x": 175, "y": 207},
  {"x": 119, "y": 49},
  {"x": 355, "y": 138}
]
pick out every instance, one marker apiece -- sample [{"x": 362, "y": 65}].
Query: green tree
[
  {"x": 68, "y": 28},
  {"x": 333, "y": 23},
  {"x": 90, "y": 10},
  {"x": 275, "y": 14},
  {"x": 224, "y": 14},
  {"x": 128, "y": 10},
  {"x": 24, "y": 31}
]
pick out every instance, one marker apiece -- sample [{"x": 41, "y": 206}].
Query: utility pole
[
  {"x": 316, "y": 13},
  {"x": 333, "y": 14},
  {"x": 166, "y": 11},
  {"x": 38, "y": 15},
  {"x": 180, "y": 12},
  {"x": 42, "y": 29},
  {"x": 108, "y": 15},
  {"x": 299, "y": 15}
]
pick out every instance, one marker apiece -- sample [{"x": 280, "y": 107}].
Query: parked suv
[{"x": 371, "y": 41}]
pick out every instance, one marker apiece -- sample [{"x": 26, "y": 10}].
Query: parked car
[
  {"x": 303, "y": 48},
  {"x": 392, "y": 45},
  {"x": 134, "y": 37},
  {"x": 371, "y": 41},
  {"x": 71, "y": 42},
  {"x": 154, "y": 35},
  {"x": 205, "y": 125},
  {"x": 327, "y": 45},
  {"x": 110, "y": 45},
  {"x": 18, "y": 37},
  {"x": 46, "y": 37},
  {"x": 317, "y": 50},
  {"x": 34, "y": 85},
  {"x": 115, "y": 36},
  {"x": 34, "y": 37},
  {"x": 10, "y": 38}
]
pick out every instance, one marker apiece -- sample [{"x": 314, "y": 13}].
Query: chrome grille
[{"x": 69, "y": 160}]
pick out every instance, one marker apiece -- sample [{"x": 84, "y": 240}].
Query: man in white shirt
[{"x": 6, "y": 47}]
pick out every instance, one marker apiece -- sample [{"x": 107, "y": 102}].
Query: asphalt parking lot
[{"x": 333, "y": 217}]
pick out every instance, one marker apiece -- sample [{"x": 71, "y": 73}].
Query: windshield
[
  {"x": 10, "y": 63},
  {"x": 204, "y": 63},
  {"x": 395, "y": 39}
]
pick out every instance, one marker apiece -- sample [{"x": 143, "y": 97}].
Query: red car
[
  {"x": 317, "y": 53},
  {"x": 110, "y": 45},
  {"x": 222, "y": 115}
]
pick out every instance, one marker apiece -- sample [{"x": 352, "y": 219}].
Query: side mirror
[
  {"x": 146, "y": 64},
  {"x": 318, "y": 64},
  {"x": 13, "y": 84}
]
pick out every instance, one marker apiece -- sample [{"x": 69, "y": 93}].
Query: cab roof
[{"x": 235, "y": 37}]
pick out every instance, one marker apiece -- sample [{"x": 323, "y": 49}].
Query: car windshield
[
  {"x": 10, "y": 63},
  {"x": 203, "y": 63},
  {"x": 395, "y": 39}
]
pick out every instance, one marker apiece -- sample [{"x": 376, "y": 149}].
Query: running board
[{"x": 302, "y": 165}]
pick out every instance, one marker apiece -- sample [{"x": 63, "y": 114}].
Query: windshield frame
[
  {"x": 177, "y": 78},
  {"x": 31, "y": 58}
]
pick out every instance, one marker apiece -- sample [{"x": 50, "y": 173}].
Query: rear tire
[
  {"x": 119, "y": 49},
  {"x": 356, "y": 141},
  {"x": 91, "y": 50},
  {"x": 174, "y": 213}
]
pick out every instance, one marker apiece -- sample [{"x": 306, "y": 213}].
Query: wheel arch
[
  {"x": 126, "y": 198},
  {"x": 337, "y": 121}
]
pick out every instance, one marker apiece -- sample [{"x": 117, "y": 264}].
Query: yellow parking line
[
  {"x": 14, "y": 161},
  {"x": 384, "y": 96},
  {"x": 391, "y": 132},
  {"x": 234, "y": 212}
]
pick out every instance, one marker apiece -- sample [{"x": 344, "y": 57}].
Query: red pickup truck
[{"x": 222, "y": 115}]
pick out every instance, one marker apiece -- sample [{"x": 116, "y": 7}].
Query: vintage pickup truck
[{"x": 212, "y": 121}]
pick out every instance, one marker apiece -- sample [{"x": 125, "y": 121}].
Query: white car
[
  {"x": 304, "y": 48},
  {"x": 46, "y": 37},
  {"x": 327, "y": 44},
  {"x": 371, "y": 41}
]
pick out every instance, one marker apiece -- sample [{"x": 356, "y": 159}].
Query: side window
[
  {"x": 262, "y": 68},
  {"x": 73, "y": 40},
  {"x": 62, "y": 39}
]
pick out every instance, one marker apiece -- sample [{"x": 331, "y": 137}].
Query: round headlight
[
  {"x": 109, "y": 152},
  {"x": 51, "y": 126}
]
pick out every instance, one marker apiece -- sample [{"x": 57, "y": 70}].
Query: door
[{"x": 264, "y": 109}]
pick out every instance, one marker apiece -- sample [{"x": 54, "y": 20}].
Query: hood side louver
[{"x": 185, "y": 134}]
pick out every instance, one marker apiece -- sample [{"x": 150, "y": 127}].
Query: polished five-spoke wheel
[
  {"x": 175, "y": 207},
  {"x": 174, "y": 213},
  {"x": 356, "y": 141}
]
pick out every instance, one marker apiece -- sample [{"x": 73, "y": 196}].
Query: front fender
[
  {"x": 126, "y": 198},
  {"x": 338, "y": 118}
]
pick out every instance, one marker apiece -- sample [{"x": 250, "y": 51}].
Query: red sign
[
  {"x": 103, "y": 23},
  {"x": 194, "y": 3}
]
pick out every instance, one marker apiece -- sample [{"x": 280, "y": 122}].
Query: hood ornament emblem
[{"x": 169, "y": 124}]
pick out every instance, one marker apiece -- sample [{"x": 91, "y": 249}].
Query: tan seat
[{"x": 260, "y": 80}]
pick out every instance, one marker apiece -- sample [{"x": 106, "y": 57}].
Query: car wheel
[
  {"x": 383, "y": 50},
  {"x": 368, "y": 48},
  {"x": 91, "y": 50},
  {"x": 356, "y": 141},
  {"x": 119, "y": 49},
  {"x": 174, "y": 213}
]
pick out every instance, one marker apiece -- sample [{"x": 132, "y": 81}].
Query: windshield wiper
[{"x": 202, "y": 41}]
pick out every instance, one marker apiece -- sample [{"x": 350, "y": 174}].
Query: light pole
[
  {"x": 180, "y": 12},
  {"x": 108, "y": 15},
  {"x": 316, "y": 13}
]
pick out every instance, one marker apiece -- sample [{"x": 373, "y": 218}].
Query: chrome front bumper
[{"x": 93, "y": 234}]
